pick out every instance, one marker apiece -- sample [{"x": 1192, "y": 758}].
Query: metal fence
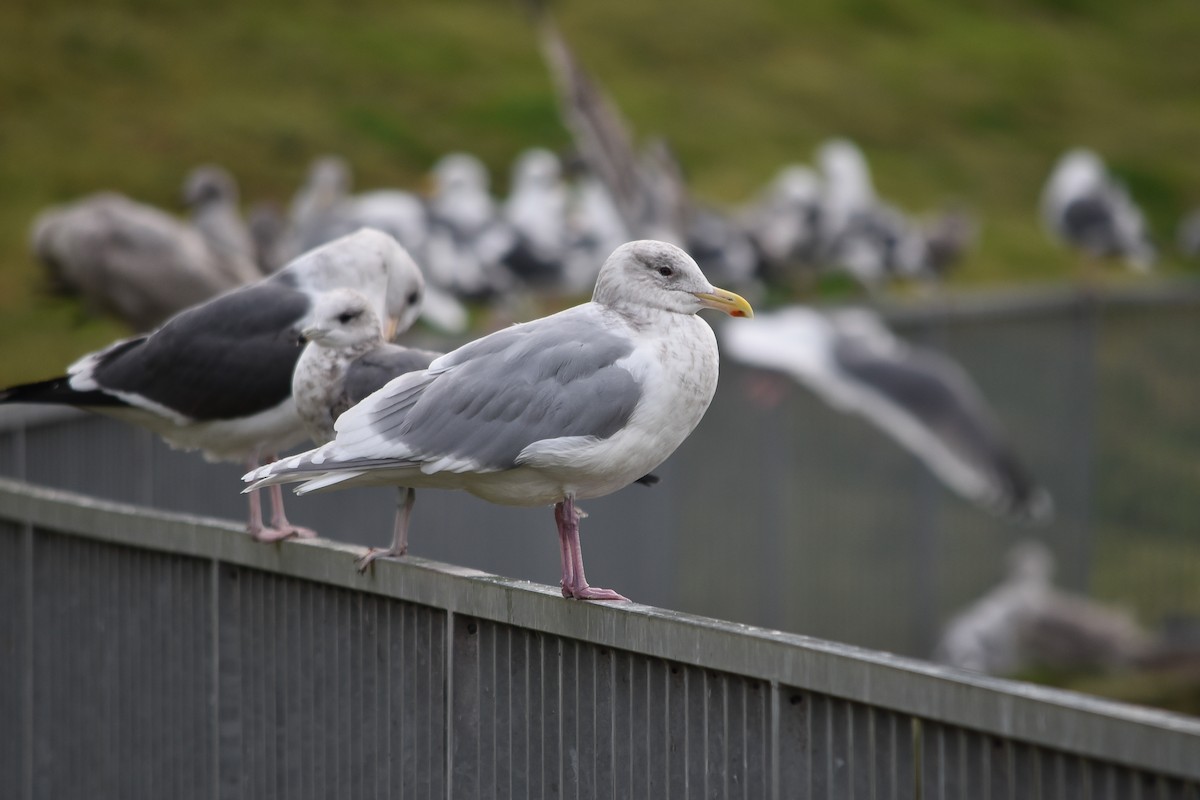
[
  {"x": 832, "y": 530},
  {"x": 149, "y": 655}
]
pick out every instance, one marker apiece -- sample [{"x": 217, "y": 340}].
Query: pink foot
[
  {"x": 361, "y": 564},
  {"x": 265, "y": 534},
  {"x": 586, "y": 592}
]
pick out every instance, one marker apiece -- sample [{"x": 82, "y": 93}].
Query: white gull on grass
[
  {"x": 568, "y": 407},
  {"x": 218, "y": 377}
]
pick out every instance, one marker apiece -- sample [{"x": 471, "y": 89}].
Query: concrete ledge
[{"x": 1076, "y": 723}]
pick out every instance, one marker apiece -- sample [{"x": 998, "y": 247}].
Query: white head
[
  {"x": 1078, "y": 172},
  {"x": 329, "y": 174},
  {"x": 208, "y": 184},
  {"x": 372, "y": 263},
  {"x": 796, "y": 183},
  {"x": 458, "y": 172},
  {"x": 847, "y": 176},
  {"x": 655, "y": 274},
  {"x": 342, "y": 318},
  {"x": 536, "y": 167}
]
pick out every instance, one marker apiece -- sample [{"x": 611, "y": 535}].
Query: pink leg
[
  {"x": 254, "y": 525},
  {"x": 564, "y": 544},
  {"x": 280, "y": 527},
  {"x": 404, "y": 507},
  {"x": 574, "y": 582}
]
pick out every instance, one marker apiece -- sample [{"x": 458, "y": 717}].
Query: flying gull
[
  {"x": 140, "y": 264},
  {"x": 1088, "y": 209},
  {"x": 345, "y": 361},
  {"x": 218, "y": 377},
  {"x": 920, "y": 398},
  {"x": 568, "y": 407}
]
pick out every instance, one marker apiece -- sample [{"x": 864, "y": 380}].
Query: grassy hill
[{"x": 967, "y": 102}]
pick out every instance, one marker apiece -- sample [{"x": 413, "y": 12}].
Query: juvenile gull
[
  {"x": 139, "y": 264},
  {"x": 218, "y": 377},
  {"x": 1027, "y": 623},
  {"x": 568, "y": 407},
  {"x": 921, "y": 399},
  {"x": 347, "y": 359}
]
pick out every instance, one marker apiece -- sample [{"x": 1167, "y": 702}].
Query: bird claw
[
  {"x": 365, "y": 561},
  {"x": 279, "y": 534},
  {"x": 586, "y": 592}
]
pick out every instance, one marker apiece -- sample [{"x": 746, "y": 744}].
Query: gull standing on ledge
[
  {"x": 568, "y": 407},
  {"x": 345, "y": 361},
  {"x": 218, "y": 376}
]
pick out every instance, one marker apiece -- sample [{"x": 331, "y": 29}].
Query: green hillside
[{"x": 969, "y": 102}]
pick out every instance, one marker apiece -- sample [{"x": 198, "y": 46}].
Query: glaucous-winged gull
[{"x": 568, "y": 407}]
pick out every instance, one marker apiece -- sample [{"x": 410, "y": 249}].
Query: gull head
[
  {"x": 536, "y": 167},
  {"x": 405, "y": 289},
  {"x": 375, "y": 264},
  {"x": 342, "y": 318},
  {"x": 654, "y": 274},
  {"x": 208, "y": 184},
  {"x": 459, "y": 172}
]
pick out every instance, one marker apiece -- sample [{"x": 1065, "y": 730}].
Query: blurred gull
[
  {"x": 536, "y": 208},
  {"x": 211, "y": 194},
  {"x": 868, "y": 238},
  {"x": 1088, "y": 209},
  {"x": 1025, "y": 623},
  {"x": 568, "y": 407},
  {"x": 920, "y": 398},
  {"x": 784, "y": 222},
  {"x": 218, "y": 377},
  {"x": 323, "y": 210},
  {"x": 468, "y": 239},
  {"x": 140, "y": 264}
]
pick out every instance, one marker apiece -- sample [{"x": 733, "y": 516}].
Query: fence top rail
[{"x": 1077, "y": 723}]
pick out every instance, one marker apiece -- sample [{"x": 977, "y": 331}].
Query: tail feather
[{"x": 58, "y": 391}]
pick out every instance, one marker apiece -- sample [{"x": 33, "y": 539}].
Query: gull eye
[
  {"x": 666, "y": 272},
  {"x": 414, "y": 298},
  {"x": 347, "y": 316}
]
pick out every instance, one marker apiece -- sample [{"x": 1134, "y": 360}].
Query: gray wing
[
  {"x": 935, "y": 391},
  {"x": 481, "y": 405},
  {"x": 370, "y": 372}
]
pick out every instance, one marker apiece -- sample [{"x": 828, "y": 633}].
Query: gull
[
  {"x": 1087, "y": 208},
  {"x": 323, "y": 210},
  {"x": 784, "y": 220},
  {"x": 1026, "y": 622},
  {"x": 218, "y": 377},
  {"x": 568, "y": 407},
  {"x": 921, "y": 399},
  {"x": 468, "y": 238},
  {"x": 536, "y": 209},
  {"x": 140, "y": 264},
  {"x": 346, "y": 360}
]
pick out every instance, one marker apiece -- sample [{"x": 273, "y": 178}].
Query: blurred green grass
[{"x": 969, "y": 102}]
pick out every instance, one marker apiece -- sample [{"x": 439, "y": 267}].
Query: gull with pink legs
[{"x": 565, "y": 408}]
